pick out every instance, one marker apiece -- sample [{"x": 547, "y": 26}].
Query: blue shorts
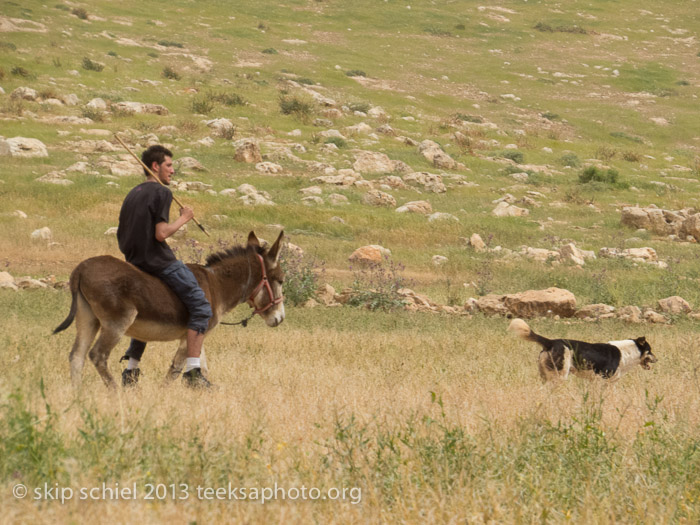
[{"x": 182, "y": 281}]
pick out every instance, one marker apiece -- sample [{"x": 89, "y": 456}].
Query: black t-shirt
[{"x": 145, "y": 206}]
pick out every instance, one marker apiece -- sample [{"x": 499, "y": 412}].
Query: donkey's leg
[
  {"x": 110, "y": 334},
  {"x": 178, "y": 361},
  {"x": 87, "y": 326}
]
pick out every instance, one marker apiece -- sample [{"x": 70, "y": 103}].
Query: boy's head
[{"x": 157, "y": 154}]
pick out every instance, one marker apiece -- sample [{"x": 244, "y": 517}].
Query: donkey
[{"x": 116, "y": 298}]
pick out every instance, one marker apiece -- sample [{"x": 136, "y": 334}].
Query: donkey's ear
[
  {"x": 253, "y": 240},
  {"x": 274, "y": 252}
]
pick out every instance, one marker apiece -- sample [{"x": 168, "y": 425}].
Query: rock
[
  {"x": 539, "y": 254},
  {"x": 27, "y": 283},
  {"x": 372, "y": 162},
  {"x": 55, "y": 177},
  {"x": 343, "y": 178},
  {"x": 189, "y": 163},
  {"x": 439, "y": 260},
  {"x": 221, "y": 127},
  {"x": 336, "y": 199},
  {"x": 111, "y": 231},
  {"x": 23, "y": 147},
  {"x": 571, "y": 253},
  {"x": 191, "y": 185},
  {"x": 126, "y": 168},
  {"x": 269, "y": 168},
  {"x": 20, "y": 214},
  {"x": 131, "y": 108},
  {"x": 7, "y": 281},
  {"x": 206, "y": 142},
  {"x": 24, "y": 93},
  {"x": 255, "y": 199},
  {"x": 332, "y": 133},
  {"x": 97, "y": 103},
  {"x": 229, "y": 192},
  {"x": 326, "y": 295},
  {"x": 631, "y": 314},
  {"x": 663, "y": 222},
  {"x": 674, "y": 305},
  {"x": 595, "y": 311},
  {"x": 691, "y": 227},
  {"x": 440, "y": 216},
  {"x": 492, "y": 304},
  {"x": 422, "y": 207},
  {"x": 247, "y": 150},
  {"x": 70, "y": 100},
  {"x": 635, "y": 254},
  {"x": 311, "y": 190},
  {"x": 378, "y": 198},
  {"x": 549, "y": 302},
  {"x": 503, "y": 209},
  {"x": 386, "y": 129},
  {"x": 654, "y": 317},
  {"x": 43, "y": 234},
  {"x": 371, "y": 254},
  {"x": 377, "y": 112},
  {"x": 312, "y": 200},
  {"x": 359, "y": 128},
  {"x": 435, "y": 154},
  {"x": 92, "y": 146},
  {"x": 429, "y": 181},
  {"x": 476, "y": 242}
]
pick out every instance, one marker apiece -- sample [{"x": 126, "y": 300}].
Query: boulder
[
  {"x": 23, "y": 147},
  {"x": 370, "y": 254},
  {"x": 441, "y": 216},
  {"x": 571, "y": 253},
  {"x": 422, "y": 207},
  {"x": 503, "y": 209},
  {"x": 221, "y": 127},
  {"x": 430, "y": 182},
  {"x": 247, "y": 150},
  {"x": 674, "y": 305},
  {"x": 476, "y": 242},
  {"x": 24, "y": 93},
  {"x": 131, "y": 108},
  {"x": 435, "y": 154},
  {"x": 439, "y": 260},
  {"x": 492, "y": 304},
  {"x": 596, "y": 311},
  {"x": 269, "y": 168},
  {"x": 337, "y": 199},
  {"x": 549, "y": 302},
  {"x": 7, "y": 281},
  {"x": 378, "y": 198},
  {"x": 189, "y": 164},
  {"x": 631, "y": 314},
  {"x": 372, "y": 162},
  {"x": 125, "y": 168},
  {"x": 326, "y": 295},
  {"x": 43, "y": 234}
]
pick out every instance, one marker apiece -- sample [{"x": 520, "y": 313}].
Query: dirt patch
[{"x": 8, "y": 25}]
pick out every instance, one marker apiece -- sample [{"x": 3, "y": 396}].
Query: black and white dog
[{"x": 608, "y": 360}]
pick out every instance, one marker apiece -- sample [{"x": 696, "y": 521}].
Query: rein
[{"x": 264, "y": 282}]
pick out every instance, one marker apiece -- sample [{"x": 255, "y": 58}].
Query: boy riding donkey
[{"x": 144, "y": 225}]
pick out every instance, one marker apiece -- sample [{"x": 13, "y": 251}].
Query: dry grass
[{"x": 285, "y": 393}]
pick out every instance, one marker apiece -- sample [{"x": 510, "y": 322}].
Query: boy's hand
[{"x": 187, "y": 213}]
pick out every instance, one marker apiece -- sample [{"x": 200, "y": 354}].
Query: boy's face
[{"x": 164, "y": 171}]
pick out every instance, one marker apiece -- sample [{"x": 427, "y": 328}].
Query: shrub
[
  {"x": 292, "y": 105},
  {"x": 595, "y": 174},
  {"x": 460, "y": 27},
  {"x": 169, "y": 72},
  {"x": 469, "y": 118},
  {"x": 605, "y": 153},
  {"x": 515, "y": 156},
  {"x": 8, "y": 46},
  {"x": 436, "y": 31},
  {"x": 62, "y": 7},
  {"x": 270, "y": 51},
  {"x": 356, "y": 73},
  {"x": 152, "y": 54},
  {"x": 170, "y": 43},
  {"x": 305, "y": 81},
  {"x": 550, "y": 116},
  {"x": 19, "y": 71},
  {"x": 376, "y": 287},
  {"x": 112, "y": 54},
  {"x": 228, "y": 99},
  {"x": 626, "y": 136},
  {"x": 363, "y": 107},
  {"x": 339, "y": 142},
  {"x": 202, "y": 105},
  {"x": 301, "y": 276},
  {"x": 92, "y": 66},
  {"x": 631, "y": 156},
  {"x": 92, "y": 113},
  {"x": 570, "y": 159},
  {"x": 80, "y": 13}
]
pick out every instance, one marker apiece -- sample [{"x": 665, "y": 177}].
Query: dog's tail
[{"x": 522, "y": 330}]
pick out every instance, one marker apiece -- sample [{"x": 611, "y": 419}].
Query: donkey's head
[{"x": 267, "y": 298}]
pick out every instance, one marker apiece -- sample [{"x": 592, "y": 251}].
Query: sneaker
[
  {"x": 195, "y": 379},
  {"x": 130, "y": 377}
]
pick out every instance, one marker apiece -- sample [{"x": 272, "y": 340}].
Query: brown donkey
[{"x": 115, "y": 298}]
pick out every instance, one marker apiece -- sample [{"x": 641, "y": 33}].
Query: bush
[
  {"x": 376, "y": 287},
  {"x": 202, "y": 105},
  {"x": 228, "y": 99},
  {"x": 301, "y": 276},
  {"x": 626, "y": 136},
  {"x": 339, "y": 142},
  {"x": 92, "y": 66},
  {"x": 593, "y": 174},
  {"x": 435, "y": 31},
  {"x": 169, "y": 72},
  {"x": 19, "y": 71},
  {"x": 469, "y": 118},
  {"x": 80, "y": 13},
  {"x": 170, "y": 43},
  {"x": 570, "y": 159},
  {"x": 8, "y": 46},
  {"x": 292, "y": 105},
  {"x": 92, "y": 113},
  {"x": 362, "y": 107},
  {"x": 270, "y": 51},
  {"x": 515, "y": 156},
  {"x": 356, "y": 73}
]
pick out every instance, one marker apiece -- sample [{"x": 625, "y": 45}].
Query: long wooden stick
[{"x": 159, "y": 181}]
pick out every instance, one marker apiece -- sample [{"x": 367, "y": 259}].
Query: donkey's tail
[
  {"x": 74, "y": 285},
  {"x": 522, "y": 330}
]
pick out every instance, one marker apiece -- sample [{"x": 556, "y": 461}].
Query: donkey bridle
[{"x": 273, "y": 301}]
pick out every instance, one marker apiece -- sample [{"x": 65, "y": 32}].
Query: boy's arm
[{"x": 165, "y": 230}]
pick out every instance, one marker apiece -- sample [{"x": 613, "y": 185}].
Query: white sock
[
  {"x": 192, "y": 362},
  {"x": 133, "y": 363}
]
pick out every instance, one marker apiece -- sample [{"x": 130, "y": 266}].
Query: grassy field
[{"x": 418, "y": 417}]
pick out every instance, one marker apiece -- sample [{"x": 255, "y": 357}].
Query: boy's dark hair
[{"x": 156, "y": 153}]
